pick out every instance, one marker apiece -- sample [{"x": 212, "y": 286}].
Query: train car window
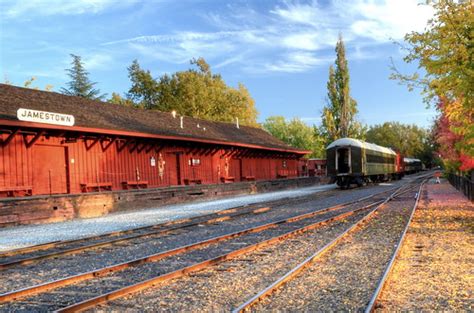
[{"x": 380, "y": 159}]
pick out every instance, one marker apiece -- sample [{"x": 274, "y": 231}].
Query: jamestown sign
[{"x": 28, "y": 115}]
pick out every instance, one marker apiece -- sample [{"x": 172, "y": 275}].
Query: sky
[{"x": 280, "y": 50}]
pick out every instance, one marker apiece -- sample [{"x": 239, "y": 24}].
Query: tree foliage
[
  {"x": 445, "y": 51},
  {"x": 455, "y": 136},
  {"x": 80, "y": 85},
  {"x": 338, "y": 116},
  {"x": 195, "y": 92},
  {"x": 29, "y": 84},
  {"x": 118, "y": 99},
  {"x": 296, "y": 133},
  {"x": 409, "y": 140}
]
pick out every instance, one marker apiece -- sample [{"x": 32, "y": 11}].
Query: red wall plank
[{"x": 18, "y": 165}]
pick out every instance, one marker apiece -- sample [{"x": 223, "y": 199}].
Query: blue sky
[{"x": 280, "y": 50}]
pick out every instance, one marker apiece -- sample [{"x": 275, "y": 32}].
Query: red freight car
[
  {"x": 312, "y": 167},
  {"x": 55, "y": 144}
]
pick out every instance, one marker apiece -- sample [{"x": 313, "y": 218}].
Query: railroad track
[
  {"x": 372, "y": 305},
  {"x": 28, "y": 255},
  {"x": 73, "y": 293},
  {"x": 55, "y": 249},
  {"x": 339, "y": 301}
]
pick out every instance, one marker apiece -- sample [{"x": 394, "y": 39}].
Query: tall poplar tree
[
  {"x": 80, "y": 85},
  {"x": 338, "y": 116}
]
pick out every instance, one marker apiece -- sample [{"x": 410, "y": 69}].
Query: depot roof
[{"x": 103, "y": 117}]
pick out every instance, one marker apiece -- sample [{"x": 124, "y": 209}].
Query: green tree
[
  {"x": 118, "y": 99},
  {"x": 409, "y": 140},
  {"x": 195, "y": 92},
  {"x": 445, "y": 53},
  {"x": 80, "y": 85},
  {"x": 296, "y": 133},
  {"x": 144, "y": 90},
  {"x": 338, "y": 116}
]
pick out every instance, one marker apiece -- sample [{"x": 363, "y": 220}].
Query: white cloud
[
  {"x": 17, "y": 8},
  {"x": 291, "y": 37},
  {"x": 296, "y": 62},
  {"x": 97, "y": 61},
  {"x": 308, "y": 14},
  {"x": 389, "y": 19}
]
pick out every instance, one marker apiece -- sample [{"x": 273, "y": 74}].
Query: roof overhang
[{"x": 124, "y": 133}]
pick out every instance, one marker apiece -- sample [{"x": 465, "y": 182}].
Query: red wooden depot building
[{"x": 56, "y": 144}]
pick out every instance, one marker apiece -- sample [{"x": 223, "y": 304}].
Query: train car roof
[
  {"x": 410, "y": 160},
  {"x": 359, "y": 143}
]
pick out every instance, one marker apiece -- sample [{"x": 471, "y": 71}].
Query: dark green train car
[
  {"x": 412, "y": 165},
  {"x": 352, "y": 161}
]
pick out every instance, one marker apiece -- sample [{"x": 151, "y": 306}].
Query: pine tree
[
  {"x": 80, "y": 85},
  {"x": 338, "y": 116}
]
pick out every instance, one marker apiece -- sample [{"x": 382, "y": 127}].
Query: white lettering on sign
[{"x": 45, "y": 117}]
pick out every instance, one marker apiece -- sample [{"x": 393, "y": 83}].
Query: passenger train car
[
  {"x": 352, "y": 161},
  {"x": 412, "y": 165}
]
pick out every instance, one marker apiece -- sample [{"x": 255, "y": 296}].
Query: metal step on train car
[{"x": 352, "y": 161}]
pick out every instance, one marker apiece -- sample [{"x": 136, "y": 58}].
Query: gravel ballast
[
  {"x": 52, "y": 269},
  {"x": 74, "y": 293},
  {"x": 345, "y": 278},
  {"x": 28, "y": 235},
  {"x": 223, "y": 287}
]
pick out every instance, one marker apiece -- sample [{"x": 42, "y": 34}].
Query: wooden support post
[
  {"x": 150, "y": 147},
  {"x": 159, "y": 148},
  {"x": 134, "y": 146},
  {"x": 140, "y": 149},
  {"x": 107, "y": 146},
  {"x": 88, "y": 147},
  {"x": 10, "y": 137},
  {"x": 33, "y": 140},
  {"x": 125, "y": 143}
]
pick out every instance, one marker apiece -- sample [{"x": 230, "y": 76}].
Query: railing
[{"x": 463, "y": 184}]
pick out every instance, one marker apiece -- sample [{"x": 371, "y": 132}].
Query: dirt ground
[{"x": 435, "y": 267}]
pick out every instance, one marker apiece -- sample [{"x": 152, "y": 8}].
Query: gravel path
[
  {"x": 28, "y": 235},
  {"x": 434, "y": 270},
  {"x": 345, "y": 277},
  {"x": 225, "y": 286},
  {"x": 51, "y": 269}
]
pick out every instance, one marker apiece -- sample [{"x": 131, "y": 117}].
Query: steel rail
[
  {"x": 371, "y": 305},
  {"x": 104, "y": 271},
  {"x": 183, "y": 221},
  {"x": 89, "y": 303},
  {"x": 160, "y": 229},
  {"x": 301, "y": 266},
  {"x": 13, "y": 295},
  {"x": 219, "y": 217}
]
